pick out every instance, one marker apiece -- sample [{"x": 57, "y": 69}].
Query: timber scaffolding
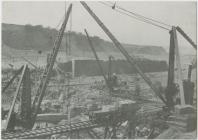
[{"x": 30, "y": 111}]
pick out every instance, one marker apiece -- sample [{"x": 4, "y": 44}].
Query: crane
[
  {"x": 46, "y": 74},
  {"x": 129, "y": 58}
]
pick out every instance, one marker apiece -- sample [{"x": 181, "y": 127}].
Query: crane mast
[{"x": 46, "y": 74}]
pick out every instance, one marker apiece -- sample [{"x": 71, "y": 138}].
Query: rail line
[{"x": 48, "y": 131}]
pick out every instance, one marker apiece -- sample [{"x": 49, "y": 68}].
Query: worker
[
  {"x": 115, "y": 80},
  {"x": 137, "y": 87},
  {"x": 53, "y": 137},
  {"x": 171, "y": 94},
  {"x": 137, "y": 131},
  {"x": 3, "y": 113}
]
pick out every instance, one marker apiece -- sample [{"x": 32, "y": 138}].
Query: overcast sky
[{"x": 126, "y": 29}]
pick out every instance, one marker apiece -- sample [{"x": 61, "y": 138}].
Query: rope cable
[
  {"x": 136, "y": 17},
  {"x": 121, "y": 8}
]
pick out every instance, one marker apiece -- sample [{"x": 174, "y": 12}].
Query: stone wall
[{"x": 91, "y": 68}]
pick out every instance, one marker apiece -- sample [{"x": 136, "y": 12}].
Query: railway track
[{"x": 48, "y": 131}]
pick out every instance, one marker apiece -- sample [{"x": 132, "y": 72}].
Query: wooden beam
[
  {"x": 12, "y": 79},
  {"x": 15, "y": 97},
  {"x": 30, "y": 62},
  {"x": 186, "y": 37}
]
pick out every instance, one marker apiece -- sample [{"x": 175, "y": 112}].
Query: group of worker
[
  {"x": 144, "y": 132},
  {"x": 114, "y": 84}
]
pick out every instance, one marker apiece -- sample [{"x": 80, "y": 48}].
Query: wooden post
[
  {"x": 170, "y": 82},
  {"x": 73, "y": 68},
  {"x": 106, "y": 131},
  {"x": 114, "y": 132},
  {"x": 189, "y": 72},
  {"x": 78, "y": 134},
  {"x": 180, "y": 78},
  {"x": 110, "y": 67},
  {"x": 130, "y": 128}
]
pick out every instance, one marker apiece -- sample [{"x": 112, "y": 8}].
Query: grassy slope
[{"x": 38, "y": 38}]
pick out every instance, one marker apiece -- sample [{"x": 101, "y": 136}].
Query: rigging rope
[
  {"x": 121, "y": 8},
  {"x": 137, "y": 17}
]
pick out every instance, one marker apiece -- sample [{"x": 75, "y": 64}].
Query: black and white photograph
[{"x": 98, "y": 69}]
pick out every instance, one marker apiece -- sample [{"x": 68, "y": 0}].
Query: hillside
[{"x": 28, "y": 37}]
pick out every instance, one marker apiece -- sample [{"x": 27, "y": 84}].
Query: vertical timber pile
[
  {"x": 189, "y": 72},
  {"x": 130, "y": 59},
  {"x": 178, "y": 62},
  {"x": 73, "y": 68},
  {"x": 189, "y": 87},
  {"x": 170, "y": 84},
  {"x": 46, "y": 74},
  {"x": 26, "y": 100},
  {"x": 110, "y": 67}
]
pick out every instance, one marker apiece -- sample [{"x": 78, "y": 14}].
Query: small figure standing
[{"x": 137, "y": 87}]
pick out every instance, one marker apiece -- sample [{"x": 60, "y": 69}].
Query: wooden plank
[{"x": 50, "y": 118}]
